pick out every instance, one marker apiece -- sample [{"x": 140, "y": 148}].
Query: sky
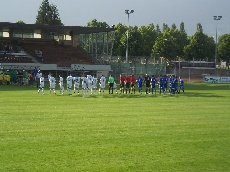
[{"x": 79, "y": 13}]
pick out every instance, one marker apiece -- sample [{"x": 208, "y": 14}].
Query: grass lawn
[{"x": 183, "y": 132}]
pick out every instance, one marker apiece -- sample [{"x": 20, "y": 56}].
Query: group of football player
[
  {"x": 86, "y": 83},
  {"x": 171, "y": 84}
]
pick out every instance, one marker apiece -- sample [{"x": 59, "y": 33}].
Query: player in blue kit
[
  {"x": 181, "y": 85},
  {"x": 174, "y": 85},
  {"x": 161, "y": 85},
  {"x": 139, "y": 84},
  {"x": 170, "y": 84},
  {"x": 165, "y": 83},
  {"x": 153, "y": 84}
]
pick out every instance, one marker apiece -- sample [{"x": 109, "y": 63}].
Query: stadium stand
[
  {"x": 46, "y": 44},
  {"x": 14, "y": 59},
  {"x": 10, "y": 52},
  {"x": 50, "y": 52}
]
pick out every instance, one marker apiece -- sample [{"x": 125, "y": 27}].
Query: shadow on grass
[
  {"x": 207, "y": 86},
  {"x": 194, "y": 90},
  {"x": 18, "y": 88},
  {"x": 188, "y": 94},
  {"x": 199, "y": 94}
]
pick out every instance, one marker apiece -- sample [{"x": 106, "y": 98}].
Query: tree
[
  {"x": 158, "y": 30},
  {"x": 164, "y": 47},
  {"x": 164, "y": 27},
  {"x": 119, "y": 46},
  {"x": 99, "y": 48},
  {"x": 95, "y": 23},
  {"x": 148, "y": 38},
  {"x": 181, "y": 40},
  {"x": 170, "y": 44},
  {"x": 48, "y": 14},
  {"x": 199, "y": 27},
  {"x": 134, "y": 42},
  {"x": 20, "y": 22},
  {"x": 141, "y": 40},
  {"x": 174, "y": 26},
  {"x": 223, "y": 48},
  {"x": 182, "y": 27},
  {"x": 200, "y": 47},
  {"x": 54, "y": 15}
]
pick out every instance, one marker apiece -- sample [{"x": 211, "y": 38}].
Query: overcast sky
[{"x": 79, "y": 12}]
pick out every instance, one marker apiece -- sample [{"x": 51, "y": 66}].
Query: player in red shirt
[
  {"x": 127, "y": 83},
  {"x": 133, "y": 83},
  {"x": 122, "y": 83}
]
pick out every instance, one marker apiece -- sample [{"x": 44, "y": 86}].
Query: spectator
[
  {"x": 20, "y": 77},
  {"x": 25, "y": 78},
  {"x": 31, "y": 78}
]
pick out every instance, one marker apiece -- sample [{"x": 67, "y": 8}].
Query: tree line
[{"x": 169, "y": 43}]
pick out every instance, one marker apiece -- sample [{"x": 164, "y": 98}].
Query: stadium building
[{"x": 55, "y": 48}]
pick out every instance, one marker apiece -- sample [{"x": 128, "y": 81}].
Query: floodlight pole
[
  {"x": 216, "y": 51},
  {"x": 128, "y": 12},
  {"x": 179, "y": 66}
]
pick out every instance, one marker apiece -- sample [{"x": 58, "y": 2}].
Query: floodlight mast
[
  {"x": 216, "y": 51},
  {"x": 128, "y": 12}
]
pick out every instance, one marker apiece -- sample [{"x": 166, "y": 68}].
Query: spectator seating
[
  {"x": 49, "y": 52},
  {"x": 14, "y": 59},
  {"x": 11, "y": 52}
]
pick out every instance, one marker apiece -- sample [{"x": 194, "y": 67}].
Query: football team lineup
[{"x": 128, "y": 84}]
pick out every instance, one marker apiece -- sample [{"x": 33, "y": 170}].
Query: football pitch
[{"x": 183, "y": 132}]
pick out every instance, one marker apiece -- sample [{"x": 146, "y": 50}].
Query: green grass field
[{"x": 183, "y": 132}]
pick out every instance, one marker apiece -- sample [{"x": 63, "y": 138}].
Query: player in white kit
[
  {"x": 69, "y": 80},
  {"x": 90, "y": 81},
  {"x": 52, "y": 84},
  {"x": 49, "y": 76},
  {"x": 84, "y": 85},
  {"x": 115, "y": 87},
  {"x": 61, "y": 84},
  {"x": 94, "y": 86},
  {"x": 102, "y": 84},
  {"x": 42, "y": 84},
  {"x": 76, "y": 83}
]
